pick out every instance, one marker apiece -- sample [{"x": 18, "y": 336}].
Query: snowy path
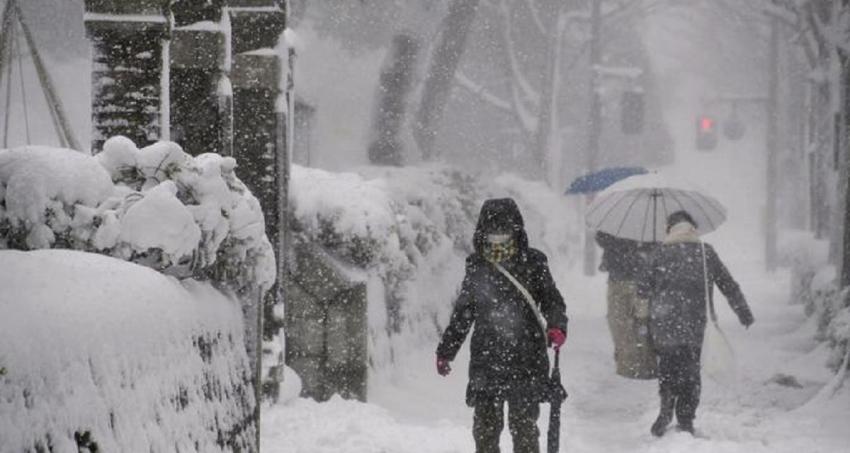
[{"x": 414, "y": 410}]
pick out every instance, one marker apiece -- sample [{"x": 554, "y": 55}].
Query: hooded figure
[
  {"x": 675, "y": 283},
  {"x": 508, "y": 362}
]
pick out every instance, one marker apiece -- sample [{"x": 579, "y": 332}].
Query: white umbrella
[{"x": 637, "y": 208}]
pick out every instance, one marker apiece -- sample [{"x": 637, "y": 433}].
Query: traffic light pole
[
  {"x": 594, "y": 123},
  {"x": 770, "y": 103},
  {"x": 772, "y": 144}
]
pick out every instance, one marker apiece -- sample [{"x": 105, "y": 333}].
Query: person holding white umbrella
[{"x": 678, "y": 283}]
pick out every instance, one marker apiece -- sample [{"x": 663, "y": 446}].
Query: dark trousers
[
  {"x": 679, "y": 378},
  {"x": 488, "y": 420}
]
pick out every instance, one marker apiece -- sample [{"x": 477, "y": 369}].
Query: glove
[
  {"x": 557, "y": 337},
  {"x": 641, "y": 309},
  {"x": 746, "y": 318},
  {"x": 443, "y": 368}
]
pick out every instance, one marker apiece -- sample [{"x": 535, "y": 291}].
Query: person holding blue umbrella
[{"x": 622, "y": 259}]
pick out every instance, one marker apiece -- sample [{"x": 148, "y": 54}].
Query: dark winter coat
[
  {"x": 673, "y": 283},
  {"x": 623, "y": 259},
  {"x": 508, "y": 347}
]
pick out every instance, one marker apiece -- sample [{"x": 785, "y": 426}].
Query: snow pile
[
  {"x": 305, "y": 426},
  {"x": 411, "y": 229},
  {"x": 156, "y": 206},
  {"x": 116, "y": 355}
]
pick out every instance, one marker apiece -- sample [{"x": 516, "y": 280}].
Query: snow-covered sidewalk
[{"x": 411, "y": 409}]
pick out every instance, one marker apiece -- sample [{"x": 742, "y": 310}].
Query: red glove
[
  {"x": 557, "y": 337},
  {"x": 443, "y": 367}
]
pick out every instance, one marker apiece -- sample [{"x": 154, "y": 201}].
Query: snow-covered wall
[
  {"x": 95, "y": 350},
  {"x": 410, "y": 229}
]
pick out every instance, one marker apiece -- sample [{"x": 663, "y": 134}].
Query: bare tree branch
[
  {"x": 527, "y": 88},
  {"x": 478, "y": 90},
  {"x": 523, "y": 115},
  {"x": 535, "y": 16}
]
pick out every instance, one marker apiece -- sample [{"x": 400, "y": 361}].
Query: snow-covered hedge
[
  {"x": 157, "y": 206},
  {"x": 101, "y": 352},
  {"x": 814, "y": 284},
  {"x": 185, "y": 368},
  {"x": 411, "y": 228}
]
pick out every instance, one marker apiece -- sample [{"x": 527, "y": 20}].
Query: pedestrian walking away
[
  {"x": 623, "y": 259},
  {"x": 678, "y": 282},
  {"x": 510, "y": 302}
]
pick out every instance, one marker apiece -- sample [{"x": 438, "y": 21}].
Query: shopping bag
[{"x": 718, "y": 357}]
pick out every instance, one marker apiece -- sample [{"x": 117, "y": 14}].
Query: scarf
[
  {"x": 496, "y": 253},
  {"x": 682, "y": 232}
]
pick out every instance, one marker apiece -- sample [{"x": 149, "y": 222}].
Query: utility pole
[
  {"x": 772, "y": 144},
  {"x": 844, "y": 169},
  {"x": 594, "y": 123}
]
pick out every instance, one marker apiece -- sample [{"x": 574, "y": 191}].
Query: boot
[
  {"x": 665, "y": 415},
  {"x": 686, "y": 426}
]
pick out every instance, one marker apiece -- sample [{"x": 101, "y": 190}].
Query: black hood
[{"x": 499, "y": 214}]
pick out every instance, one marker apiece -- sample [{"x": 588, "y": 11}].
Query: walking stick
[{"x": 557, "y": 395}]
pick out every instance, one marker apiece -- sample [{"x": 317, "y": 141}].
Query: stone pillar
[
  {"x": 255, "y": 77},
  {"x": 197, "y": 71},
  {"x": 259, "y": 135},
  {"x": 127, "y": 40}
]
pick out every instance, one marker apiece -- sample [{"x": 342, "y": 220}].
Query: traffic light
[
  {"x": 734, "y": 128},
  {"x": 631, "y": 112},
  {"x": 706, "y": 133}
]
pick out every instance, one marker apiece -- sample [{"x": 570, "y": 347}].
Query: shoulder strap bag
[
  {"x": 718, "y": 357},
  {"x": 529, "y": 299}
]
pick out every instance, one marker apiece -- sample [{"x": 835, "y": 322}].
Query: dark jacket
[
  {"x": 508, "y": 348},
  {"x": 623, "y": 259},
  {"x": 673, "y": 283}
]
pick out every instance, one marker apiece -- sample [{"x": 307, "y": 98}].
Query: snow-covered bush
[
  {"x": 103, "y": 353},
  {"x": 158, "y": 206},
  {"x": 805, "y": 256},
  {"x": 814, "y": 284},
  {"x": 411, "y": 228},
  {"x": 189, "y": 379}
]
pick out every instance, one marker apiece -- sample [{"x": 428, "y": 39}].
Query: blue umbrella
[{"x": 599, "y": 180}]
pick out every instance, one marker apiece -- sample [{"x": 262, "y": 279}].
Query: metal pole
[
  {"x": 594, "y": 123},
  {"x": 844, "y": 172},
  {"x": 771, "y": 150}
]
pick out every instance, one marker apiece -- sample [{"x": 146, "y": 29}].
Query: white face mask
[{"x": 498, "y": 238}]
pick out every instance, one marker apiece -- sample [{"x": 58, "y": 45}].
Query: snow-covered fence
[{"x": 103, "y": 353}]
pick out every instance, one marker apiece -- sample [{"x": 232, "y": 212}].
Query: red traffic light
[
  {"x": 706, "y": 124},
  {"x": 706, "y": 133}
]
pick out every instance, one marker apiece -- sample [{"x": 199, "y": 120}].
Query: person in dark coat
[
  {"x": 623, "y": 259},
  {"x": 675, "y": 283},
  {"x": 508, "y": 362}
]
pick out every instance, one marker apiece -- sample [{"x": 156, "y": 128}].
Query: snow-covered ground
[{"x": 411, "y": 408}]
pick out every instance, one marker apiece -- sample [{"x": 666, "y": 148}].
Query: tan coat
[{"x": 633, "y": 352}]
